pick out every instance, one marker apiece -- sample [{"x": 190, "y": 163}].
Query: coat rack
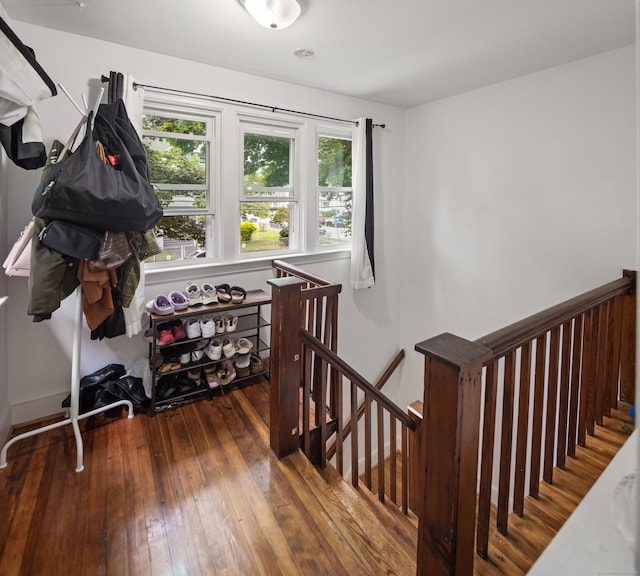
[{"x": 74, "y": 416}]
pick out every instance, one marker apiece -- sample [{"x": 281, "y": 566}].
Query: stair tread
[{"x": 379, "y": 549}]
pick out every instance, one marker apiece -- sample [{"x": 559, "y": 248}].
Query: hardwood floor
[
  {"x": 190, "y": 491},
  {"x": 197, "y": 491}
]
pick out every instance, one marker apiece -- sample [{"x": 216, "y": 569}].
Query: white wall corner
[{"x": 37, "y": 408}]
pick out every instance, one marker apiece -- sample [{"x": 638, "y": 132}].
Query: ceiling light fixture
[{"x": 274, "y": 14}]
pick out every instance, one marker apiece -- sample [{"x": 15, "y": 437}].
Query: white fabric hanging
[
  {"x": 361, "y": 265},
  {"x": 133, "y": 100}
]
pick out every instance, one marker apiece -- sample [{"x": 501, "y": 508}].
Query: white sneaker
[
  {"x": 220, "y": 324},
  {"x": 207, "y": 327},
  {"x": 193, "y": 294},
  {"x": 244, "y": 346},
  {"x": 228, "y": 347},
  {"x": 192, "y": 327},
  {"x": 230, "y": 323},
  {"x": 214, "y": 349},
  {"x": 209, "y": 295},
  {"x": 197, "y": 355}
]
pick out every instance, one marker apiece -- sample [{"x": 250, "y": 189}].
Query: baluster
[
  {"x": 593, "y": 372},
  {"x": 552, "y": 405},
  {"x": 306, "y": 400},
  {"x": 601, "y": 370},
  {"x": 392, "y": 458},
  {"x": 583, "y": 415},
  {"x": 506, "y": 442},
  {"x": 322, "y": 410},
  {"x": 405, "y": 470},
  {"x": 523, "y": 428},
  {"x": 380, "y": 453},
  {"x": 538, "y": 401},
  {"x": 575, "y": 386},
  {"x": 628, "y": 343},
  {"x": 486, "y": 467},
  {"x": 614, "y": 355},
  {"x": 565, "y": 369},
  {"x": 354, "y": 435},
  {"x": 367, "y": 441}
]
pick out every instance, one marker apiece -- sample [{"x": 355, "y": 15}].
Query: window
[
  {"x": 335, "y": 192},
  {"x": 178, "y": 147},
  {"x": 285, "y": 187},
  {"x": 269, "y": 198}
]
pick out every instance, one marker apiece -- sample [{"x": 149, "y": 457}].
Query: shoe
[
  {"x": 209, "y": 295},
  {"x": 195, "y": 375},
  {"x": 242, "y": 365},
  {"x": 228, "y": 347},
  {"x": 193, "y": 328},
  {"x": 197, "y": 355},
  {"x": 178, "y": 331},
  {"x": 223, "y": 293},
  {"x": 237, "y": 294},
  {"x": 244, "y": 346},
  {"x": 193, "y": 295},
  {"x": 185, "y": 358},
  {"x": 149, "y": 335},
  {"x": 222, "y": 373},
  {"x": 179, "y": 300},
  {"x": 207, "y": 327},
  {"x": 164, "y": 337},
  {"x": 257, "y": 365},
  {"x": 160, "y": 306},
  {"x": 220, "y": 324},
  {"x": 211, "y": 376},
  {"x": 230, "y": 323},
  {"x": 214, "y": 349}
]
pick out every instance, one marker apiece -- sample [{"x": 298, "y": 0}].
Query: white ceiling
[{"x": 401, "y": 52}]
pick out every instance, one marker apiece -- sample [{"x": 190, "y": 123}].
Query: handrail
[
  {"x": 299, "y": 273},
  {"x": 380, "y": 382},
  {"x": 334, "y": 360},
  {"x": 515, "y": 335}
]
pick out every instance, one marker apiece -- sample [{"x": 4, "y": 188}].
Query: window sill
[{"x": 206, "y": 270}]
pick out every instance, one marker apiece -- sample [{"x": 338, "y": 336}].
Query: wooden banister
[
  {"x": 283, "y": 268},
  {"x": 567, "y": 365}
]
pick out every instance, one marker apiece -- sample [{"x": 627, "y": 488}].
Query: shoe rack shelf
[{"x": 252, "y": 325}]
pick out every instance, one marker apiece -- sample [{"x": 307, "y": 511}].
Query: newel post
[
  {"x": 285, "y": 365},
  {"x": 450, "y": 438}
]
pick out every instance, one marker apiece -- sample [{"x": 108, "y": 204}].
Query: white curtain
[
  {"x": 133, "y": 99},
  {"x": 362, "y": 264}
]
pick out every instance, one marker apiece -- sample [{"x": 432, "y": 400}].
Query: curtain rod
[{"x": 243, "y": 102}]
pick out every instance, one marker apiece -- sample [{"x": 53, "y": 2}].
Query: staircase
[{"x": 371, "y": 538}]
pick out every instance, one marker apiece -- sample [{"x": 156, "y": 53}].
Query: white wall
[
  {"x": 517, "y": 196},
  {"x": 39, "y": 353}
]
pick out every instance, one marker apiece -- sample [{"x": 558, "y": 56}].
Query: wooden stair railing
[
  {"x": 303, "y": 358},
  {"x": 374, "y": 430},
  {"x": 558, "y": 372}
]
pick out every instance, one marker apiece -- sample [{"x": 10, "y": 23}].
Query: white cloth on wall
[
  {"x": 133, "y": 100},
  {"x": 133, "y": 314}
]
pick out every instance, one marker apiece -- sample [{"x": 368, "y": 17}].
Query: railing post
[
  {"x": 628, "y": 348},
  {"x": 415, "y": 461},
  {"x": 285, "y": 366},
  {"x": 450, "y": 437}
]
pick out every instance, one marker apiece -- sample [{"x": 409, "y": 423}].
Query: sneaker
[
  {"x": 220, "y": 324},
  {"x": 230, "y": 323},
  {"x": 242, "y": 361},
  {"x": 178, "y": 331},
  {"x": 207, "y": 327},
  {"x": 214, "y": 349},
  {"x": 193, "y": 328},
  {"x": 164, "y": 337},
  {"x": 197, "y": 355},
  {"x": 257, "y": 365},
  {"x": 209, "y": 295},
  {"x": 185, "y": 358},
  {"x": 228, "y": 347},
  {"x": 193, "y": 295}
]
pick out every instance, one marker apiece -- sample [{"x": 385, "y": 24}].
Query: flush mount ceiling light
[{"x": 274, "y": 14}]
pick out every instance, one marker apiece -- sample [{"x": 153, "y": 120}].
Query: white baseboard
[{"x": 37, "y": 408}]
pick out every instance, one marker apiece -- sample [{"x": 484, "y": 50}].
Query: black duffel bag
[{"x": 85, "y": 189}]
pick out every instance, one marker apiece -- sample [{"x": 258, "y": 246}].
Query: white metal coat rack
[{"x": 74, "y": 416}]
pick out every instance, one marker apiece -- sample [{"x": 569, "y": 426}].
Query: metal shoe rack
[{"x": 252, "y": 324}]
